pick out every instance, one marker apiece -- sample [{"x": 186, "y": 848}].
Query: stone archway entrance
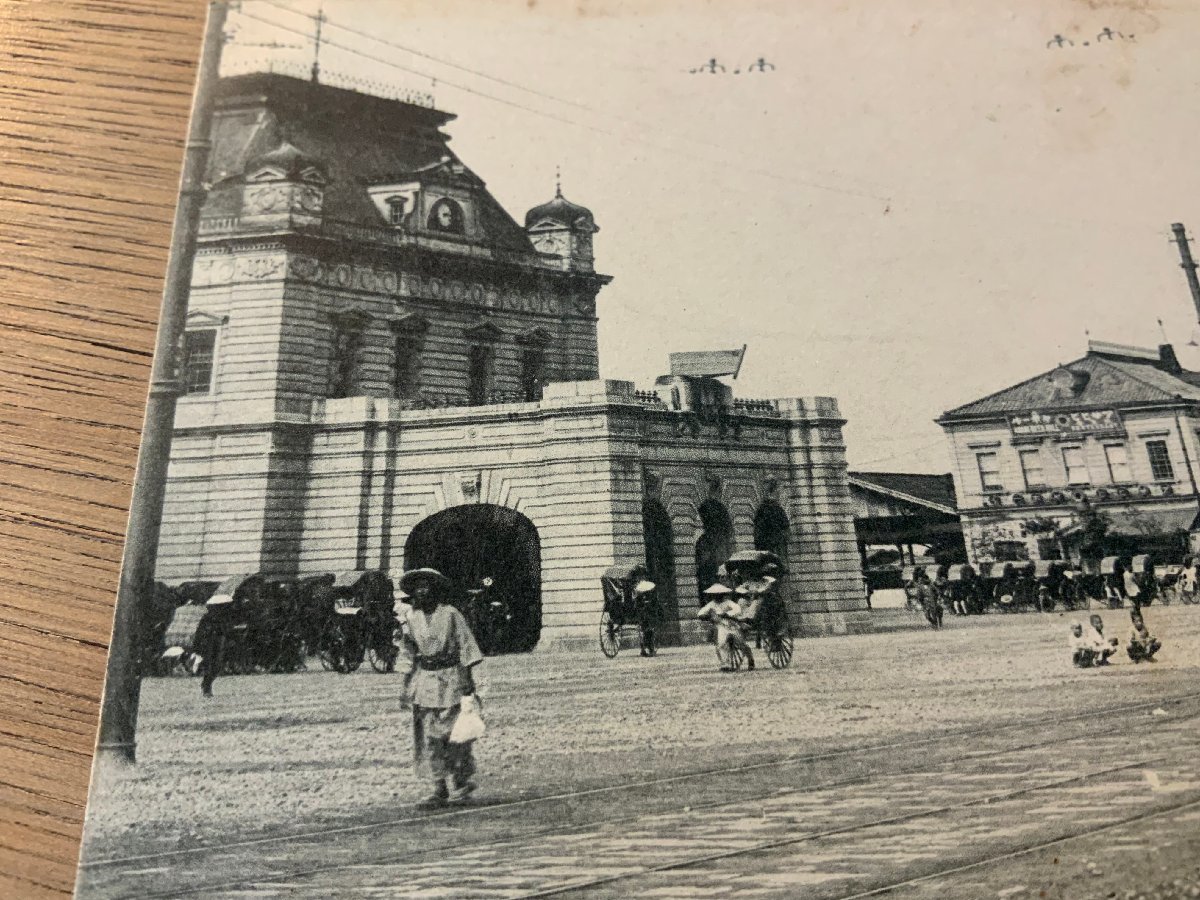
[
  {"x": 660, "y": 561},
  {"x": 715, "y": 544},
  {"x": 470, "y": 543},
  {"x": 771, "y": 530}
]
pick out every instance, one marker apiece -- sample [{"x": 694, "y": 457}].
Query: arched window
[
  {"x": 715, "y": 544},
  {"x": 771, "y": 529}
]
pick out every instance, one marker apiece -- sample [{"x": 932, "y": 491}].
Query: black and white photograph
[{"x": 669, "y": 450}]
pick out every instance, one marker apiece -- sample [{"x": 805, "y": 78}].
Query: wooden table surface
[{"x": 96, "y": 100}]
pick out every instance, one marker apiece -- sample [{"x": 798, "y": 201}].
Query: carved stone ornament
[{"x": 712, "y": 484}]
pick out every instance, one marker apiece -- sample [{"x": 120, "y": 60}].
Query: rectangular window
[
  {"x": 1048, "y": 548},
  {"x": 989, "y": 471},
  {"x": 406, "y": 380},
  {"x": 533, "y": 372},
  {"x": 343, "y": 363},
  {"x": 198, "y": 349},
  {"x": 1031, "y": 468},
  {"x": 479, "y": 372},
  {"x": 1076, "y": 466},
  {"x": 1160, "y": 461},
  {"x": 1118, "y": 463},
  {"x": 1010, "y": 551}
]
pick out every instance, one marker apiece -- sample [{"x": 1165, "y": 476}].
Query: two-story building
[
  {"x": 1117, "y": 431},
  {"x": 386, "y": 370}
]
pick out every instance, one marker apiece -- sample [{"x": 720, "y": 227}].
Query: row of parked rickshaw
[
  {"x": 1048, "y": 584},
  {"x": 273, "y": 625}
]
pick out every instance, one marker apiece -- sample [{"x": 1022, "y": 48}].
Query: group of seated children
[{"x": 1089, "y": 646}]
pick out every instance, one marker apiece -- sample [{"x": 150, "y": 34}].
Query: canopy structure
[
  {"x": 619, "y": 581},
  {"x": 228, "y": 590},
  {"x": 707, "y": 363},
  {"x": 755, "y": 564}
]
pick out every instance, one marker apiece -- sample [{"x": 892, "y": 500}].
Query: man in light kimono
[
  {"x": 439, "y": 655},
  {"x": 724, "y": 611}
]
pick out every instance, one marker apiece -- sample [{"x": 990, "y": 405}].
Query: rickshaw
[
  {"x": 1142, "y": 567},
  {"x": 362, "y": 623},
  {"x": 230, "y": 611},
  {"x": 1168, "y": 580},
  {"x": 755, "y": 575},
  {"x": 490, "y": 617},
  {"x": 179, "y": 640},
  {"x": 627, "y": 604},
  {"x": 1112, "y": 577},
  {"x": 158, "y": 610},
  {"x": 1049, "y": 576},
  {"x": 1024, "y": 586},
  {"x": 962, "y": 585}
]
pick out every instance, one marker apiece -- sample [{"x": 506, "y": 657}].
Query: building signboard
[{"x": 1066, "y": 424}]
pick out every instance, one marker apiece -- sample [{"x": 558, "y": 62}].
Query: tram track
[
  {"x": 795, "y": 759},
  {"x": 765, "y": 846},
  {"x": 525, "y": 835},
  {"x": 1026, "y": 850}
]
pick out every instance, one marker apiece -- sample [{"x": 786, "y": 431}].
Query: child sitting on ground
[
  {"x": 1089, "y": 646},
  {"x": 1142, "y": 645}
]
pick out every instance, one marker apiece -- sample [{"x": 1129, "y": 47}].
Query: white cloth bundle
[{"x": 469, "y": 725}]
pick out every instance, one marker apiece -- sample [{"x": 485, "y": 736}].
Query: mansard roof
[
  {"x": 358, "y": 139},
  {"x": 1109, "y": 376}
]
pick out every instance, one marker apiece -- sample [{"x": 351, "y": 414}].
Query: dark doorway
[
  {"x": 660, "y": 561},
  {"x": 771, "y": 530},
  {"x": 470, "y": 543},
  {"x": 715, "y": 544}
]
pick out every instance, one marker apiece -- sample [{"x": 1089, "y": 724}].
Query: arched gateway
[{"x": 470, "y": 543}]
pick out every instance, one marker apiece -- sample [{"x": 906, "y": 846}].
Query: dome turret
[
  {"x": 561, "y": 211},
  {"x": 286, "y": 161}
]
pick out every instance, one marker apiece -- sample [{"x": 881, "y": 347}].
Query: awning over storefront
[{"x": 1135, "y": 522}]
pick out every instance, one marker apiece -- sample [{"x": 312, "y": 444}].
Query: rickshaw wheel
[
  {"x": 736, "y": 656},
  {"x": 610, "y": 635},
  {"x": 378, "y": 663},
  {"x": 779, "y": 649}
]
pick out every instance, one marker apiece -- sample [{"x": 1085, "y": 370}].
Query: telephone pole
[
  {"x": 320, "y": 20},
  {"x": 122, "y": 685},
  {"x": 1188, "y": 264}
]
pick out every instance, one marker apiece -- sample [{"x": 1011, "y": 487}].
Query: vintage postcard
[{"x": 670, "y": 449}]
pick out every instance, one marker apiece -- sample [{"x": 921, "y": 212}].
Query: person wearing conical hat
[
  {"x": 648, "y": 614},
  {"x": 440, "y": 656},
  {"x": 725, "y": 612}
]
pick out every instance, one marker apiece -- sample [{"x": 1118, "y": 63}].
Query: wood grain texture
[{"x": 96, "y": 95}]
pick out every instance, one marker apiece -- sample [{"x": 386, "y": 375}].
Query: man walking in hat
[{"x": 439, "y": 657}]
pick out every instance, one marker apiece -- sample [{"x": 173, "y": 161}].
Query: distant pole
[
  {"x": 122, "y": 685},
  {"x": 1188, "y": 264},
  {"x": 319, "y": 18}
]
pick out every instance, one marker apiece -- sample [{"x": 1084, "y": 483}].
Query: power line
[
  {"x": 434, "y": 80},
  {"x": 439, "y": 60}
]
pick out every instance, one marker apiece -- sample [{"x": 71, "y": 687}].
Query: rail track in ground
[{"x": 492, "y": 825}]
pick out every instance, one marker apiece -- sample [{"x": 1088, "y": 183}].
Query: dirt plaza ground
[{"x": 915, "y": 761}]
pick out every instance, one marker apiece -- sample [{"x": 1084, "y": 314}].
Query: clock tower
[{"x": 563, "y": 229}]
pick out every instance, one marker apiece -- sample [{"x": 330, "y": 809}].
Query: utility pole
[
  {"x": 122, "y": 684},
  {"x": 1187, "y": 264},
  {"x": 320, "y": 19}
]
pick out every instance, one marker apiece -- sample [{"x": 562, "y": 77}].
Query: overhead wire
[{"x": 434, "y": 79}]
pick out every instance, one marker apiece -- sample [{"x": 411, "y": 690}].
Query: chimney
[
  {"x": 1188, "y": 264},
  {"x": 1168, "y": 361}
]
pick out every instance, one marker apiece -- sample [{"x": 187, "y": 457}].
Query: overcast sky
[{"x": 920, "y": 204}]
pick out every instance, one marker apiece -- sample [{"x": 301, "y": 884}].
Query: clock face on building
[{"x": 446, "y": 215}]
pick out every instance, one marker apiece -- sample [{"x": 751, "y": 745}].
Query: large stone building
[
  {"x": 386, "y": 370},
  {"x": 1117, "y": 431}
]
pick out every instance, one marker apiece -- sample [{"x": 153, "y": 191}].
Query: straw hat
[
  {"x": 718, "y": 588},
  {"x": 410, "y": 580},
  {"x": 644, "y": 587}
]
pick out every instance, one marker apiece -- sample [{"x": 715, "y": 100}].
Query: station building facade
[
  {"x": 385, "y": 370},
  {"x": 1116, "y": 431}
]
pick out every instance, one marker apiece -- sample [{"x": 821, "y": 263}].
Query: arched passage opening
[
  {"x": 715, "y": 544},
  {"x": 660, "y": 561},
  {"x": 470, "y": 543},
  {"x": 772, "y": 530}
]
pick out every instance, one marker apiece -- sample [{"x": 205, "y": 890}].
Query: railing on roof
[
  {"x": 451, "y": 401},
  {"x": 753, "y": 407},
  {"x": 340, "y": 229},
  {"x": 383, "y": 89},
  {"x": 648, "y": 398}
]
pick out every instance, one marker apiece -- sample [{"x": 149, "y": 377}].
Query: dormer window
[{"x": 396, "y": 211}]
